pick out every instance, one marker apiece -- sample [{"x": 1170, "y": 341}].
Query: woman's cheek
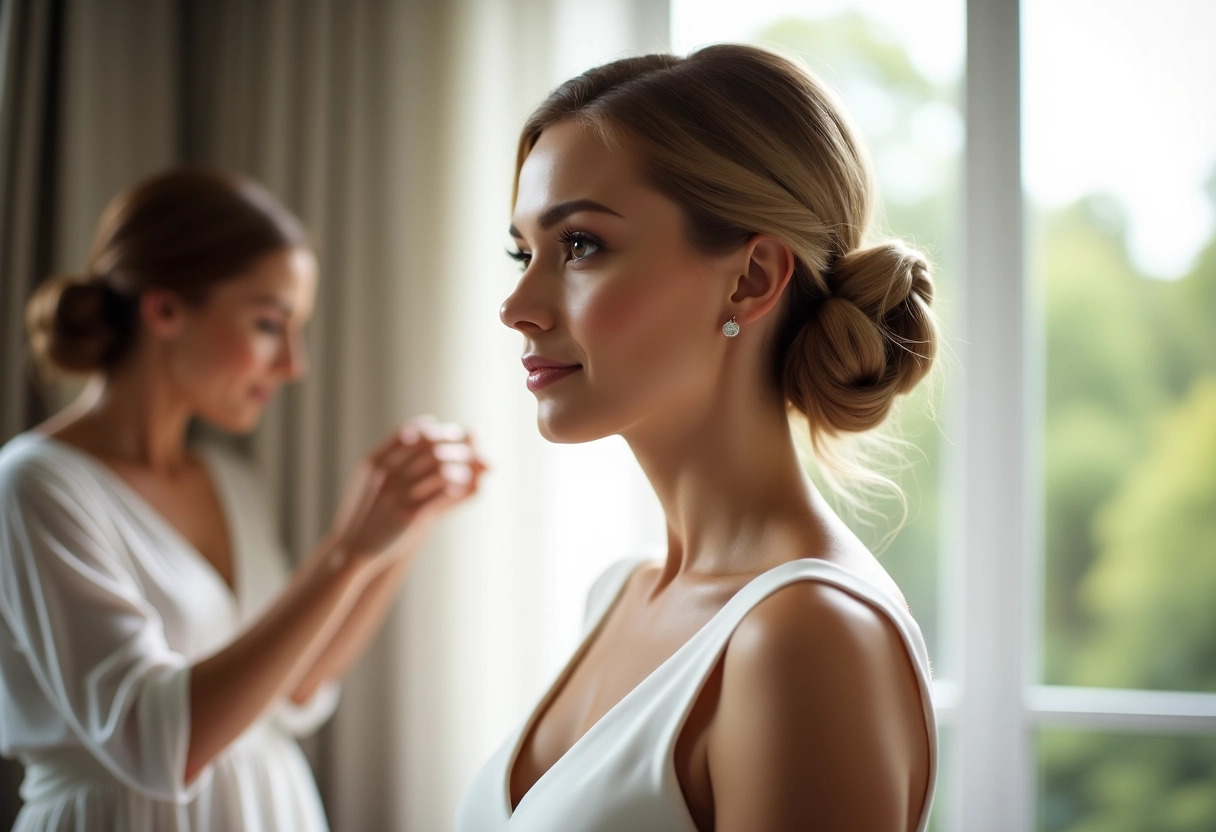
[
  {"x": 243, "y": 355},
  {"x": 603, "y": 312},
  {"x": 264, "y": 352}
]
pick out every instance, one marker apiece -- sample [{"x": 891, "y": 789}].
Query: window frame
[
  {"x": 993, "y": 562},
  {"x": 991, "y": 565}
]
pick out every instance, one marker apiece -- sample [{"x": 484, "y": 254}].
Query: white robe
[{"x": 104, "y": 607}]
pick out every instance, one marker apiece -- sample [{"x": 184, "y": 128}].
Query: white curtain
[
  {"x": 390, "y": 127},
  {"x": 82, "y": 89},
  {"x": 87, "y": 99},
  {"x": 496, "y": 602}
]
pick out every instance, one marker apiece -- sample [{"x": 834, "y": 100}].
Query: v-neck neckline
[
  {"x": 551, "y": 694},
  {"x": 568, "y": 670},
  {"x": 140, "y": 504},
  {"x": 852, "y": 582}
]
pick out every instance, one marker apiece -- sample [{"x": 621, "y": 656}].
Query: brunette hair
[
  {"x": 184, "y": 230},
  {"x": 745, "y": 141}
]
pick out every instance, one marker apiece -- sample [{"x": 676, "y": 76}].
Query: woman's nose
[
  {"x": 293, "y": 359},
  {"x": 525, "y": 310}
]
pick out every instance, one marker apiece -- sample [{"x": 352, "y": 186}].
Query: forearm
[
  {"x": 353, "y": 636},
  {"x": 231, "y": 689}
]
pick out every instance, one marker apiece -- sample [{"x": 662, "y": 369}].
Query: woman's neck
[
  {"x": 130, "y": 416},
  {"x": 735, "y": 496}
]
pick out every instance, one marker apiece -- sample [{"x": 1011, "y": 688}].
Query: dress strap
[
  {"x": 606, "y": 589},
  {"x": 680, "y": 682},
  {"x": 719, "y": 631}
]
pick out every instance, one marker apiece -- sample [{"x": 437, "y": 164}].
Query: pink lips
[
  {"x": 262, "y": 395},
  {"x": 544, "y": 371}
]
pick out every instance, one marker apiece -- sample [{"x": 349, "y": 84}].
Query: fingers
[
  {"x": 419, "y": 471},
  {"x": 403, "y": 434},
  {"x": 406, "y": 435},
  {"x": 422, "y": 430},
  {"x": 441, "y": 493},
  {"x": 423, "y": 448},
  {"x": 426, "y": 463},
  {"x": 425, "y": 458},
  {"x": 451, "y": 477},
  {"x": 424, "y": 491},
  {"x": 443, "y": 487}
]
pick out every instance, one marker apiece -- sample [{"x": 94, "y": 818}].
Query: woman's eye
[
  {"x": 580, "y": 245},
  {"x": 523, "y": 258},
  {"x": 270, "y": 327}
]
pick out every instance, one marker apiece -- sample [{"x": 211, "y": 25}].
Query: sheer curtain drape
[
  {"x": 390, "y": 128},
  {"x": 82, "y": 90}
]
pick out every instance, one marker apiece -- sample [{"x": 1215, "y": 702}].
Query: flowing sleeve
[
  {"x": 93, "y": 643},
  {"x": 305, "y": 718}
]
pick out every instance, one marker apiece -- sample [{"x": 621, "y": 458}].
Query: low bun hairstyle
[
  {"x": 184, "y": 230},
  {"x": 747, "y": 142},
  {"x": 78, "y": 324},
  {"x": 870, "y": 339}
]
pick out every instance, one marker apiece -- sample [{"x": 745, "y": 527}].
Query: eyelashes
[
  {"x": 573, "y": 239},
  {"x": 578, "y": 246},
  {"x": 523, "y": 258}
]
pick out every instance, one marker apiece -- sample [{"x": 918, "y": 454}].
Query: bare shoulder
[
  {"x": 822, "y": 647},
  {"x": 820, "y": 721},
  {"x": 817, "y": 621}
]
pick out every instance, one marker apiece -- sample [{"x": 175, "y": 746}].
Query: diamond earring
[{"x": 730, "y": 329}]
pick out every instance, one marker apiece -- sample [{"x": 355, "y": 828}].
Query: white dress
[
  {"x": 104, "y": 607},
  {"x": 621, "y": 774}
]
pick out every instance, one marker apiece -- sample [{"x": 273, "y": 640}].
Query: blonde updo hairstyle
[
  {"x": 748, "y": 142},
  {"x": 184, "y": 230}
]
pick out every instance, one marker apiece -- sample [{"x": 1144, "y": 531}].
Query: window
[
  {"x": 1120, "y": 181},
  {"x": 1062, "y": 552}
]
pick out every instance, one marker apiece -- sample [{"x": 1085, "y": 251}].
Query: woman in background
[
  {"x": 691, "y": 233},
  {"x": 157, "y": 659}
]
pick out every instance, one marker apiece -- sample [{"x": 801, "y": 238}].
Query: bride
[{"x": 690, "y": 233}]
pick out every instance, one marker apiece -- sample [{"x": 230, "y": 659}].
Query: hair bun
[
  {"x": 74, "y": 323},
  {"x": 880, "y": 278},
  {"x": 872, "y": 338}
]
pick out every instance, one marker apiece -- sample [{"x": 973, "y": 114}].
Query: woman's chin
[
  {"x": 240, "y": 423},
  {"x": 564, "y": 429}
]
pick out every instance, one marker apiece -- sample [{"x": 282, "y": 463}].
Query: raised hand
[{"x": 419, "y": 472}]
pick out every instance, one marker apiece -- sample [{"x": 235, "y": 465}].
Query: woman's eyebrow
[
  {"x": 270, "y": 300},
  {"x": 556, "y": 213}
]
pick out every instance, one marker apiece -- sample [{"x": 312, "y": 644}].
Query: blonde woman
[
  {"x": 692, "y": 238},
  {"x": 157, "y": 659}
]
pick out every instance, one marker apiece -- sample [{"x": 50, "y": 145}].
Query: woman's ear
[
  {"x": 161, "y": 312},
  {"x": 769, "y": 267}
]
